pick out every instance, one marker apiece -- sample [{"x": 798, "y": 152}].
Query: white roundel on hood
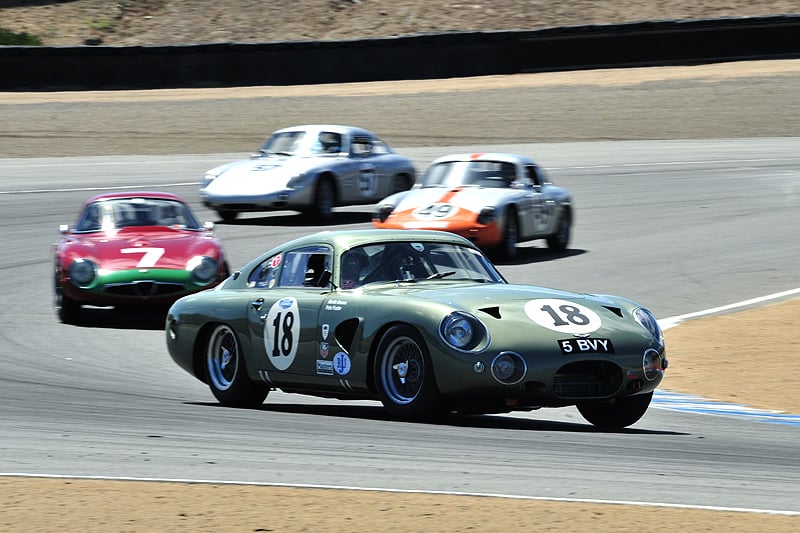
[
  {"x": 563, "y": 316},
  {"x": 252, "y": 177}
]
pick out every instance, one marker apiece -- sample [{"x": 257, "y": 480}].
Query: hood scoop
[
  {"x": 492, "y": 311},
  {"x": 616, "y": 310}
]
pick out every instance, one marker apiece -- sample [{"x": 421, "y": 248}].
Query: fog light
[
  {"x": 508, "y": 368},
  {"x": 651, "y": 365}
]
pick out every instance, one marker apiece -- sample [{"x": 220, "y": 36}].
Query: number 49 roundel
[{"x": 282, "y": 333}]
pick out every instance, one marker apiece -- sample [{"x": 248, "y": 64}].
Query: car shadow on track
[
  {"x": 297, "y": 220},
  {"x": 378, "y": 413},
  {"x": 533, "y": 254},
  {"x": 135, "y": 318}
]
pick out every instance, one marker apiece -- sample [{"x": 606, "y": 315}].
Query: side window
[
  {"x": 264, "y": 275},
  {"x": 361, "y": 147},
  {"x": 534, "y": 174},
  {"x": 303, "y": 267}
]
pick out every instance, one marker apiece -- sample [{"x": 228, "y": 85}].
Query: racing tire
[
  {"x": 559, "y": 240},
  {"x": 227, "y": 371},
  {"x": 324, "y": 200},
  {"x": 227, "y": 215},
  {"x": 67, "y": 309},
  {"x": 400, "y": 183},
  {"x": 404, "y": 376},
  {"x": 616, "y": 413},
  {"x": 507, "y": 247}
]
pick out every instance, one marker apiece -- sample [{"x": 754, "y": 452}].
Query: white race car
[{"x": 310, "y": 168}]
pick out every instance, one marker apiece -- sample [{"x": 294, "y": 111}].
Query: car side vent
[
  {"x": 492, "y": 311},
  {"x": 616, "y": 310}
]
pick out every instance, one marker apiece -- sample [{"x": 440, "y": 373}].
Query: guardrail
[{"x": 422, "y": 56}]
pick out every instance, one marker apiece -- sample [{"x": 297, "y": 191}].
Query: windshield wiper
[{"x": 440, "y": 275}]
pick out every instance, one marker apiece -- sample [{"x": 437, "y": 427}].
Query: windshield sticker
[
  {"x": 276, "y": 261},
  {"x": 563, "y": 316},
  {"x": 282, "y": 332},
  {"x": 341, "y": 363}
]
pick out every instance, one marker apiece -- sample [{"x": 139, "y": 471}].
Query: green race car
[{"x": 420, "y": 320}]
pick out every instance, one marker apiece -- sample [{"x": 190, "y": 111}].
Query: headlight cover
[
  {"x": 487, "y": 215},
  {"x": 383, "y": 212},
  {"x": 646, "y": 319},
  {"x": 463, "y": 332},
  {"x": 82, "y": 272},
  {"x": 203, "y": 268},
  {"x": 296, "y": 182},
  {"x": 208, "y": 178}
]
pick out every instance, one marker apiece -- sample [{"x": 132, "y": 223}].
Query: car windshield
[
  {"x": 414, "y": 262},
  {"x": 474, "y": 173},
  {"x": 284, "y": 143},
  {"x": 112, "y": 214}
]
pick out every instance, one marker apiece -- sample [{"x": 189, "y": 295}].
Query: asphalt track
[{"x": 680, "y": 226}]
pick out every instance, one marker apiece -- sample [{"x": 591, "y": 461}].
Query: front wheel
[
  {"x": 68, "y": 310},
  {"x": 404, "y": 375},
  {"x": 616, "y": 413},
  {"x": 507, "y": 247},
  {"x": 559, "y": 240},
  {"x": 324, "y": 200},
  {"x": 227, "y": 215},
  {"x": 227, "y": 371}
]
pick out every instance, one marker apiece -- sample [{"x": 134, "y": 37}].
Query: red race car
[
  {"x": 493, "y": 199},
  {"x": 133, "y": 248}
]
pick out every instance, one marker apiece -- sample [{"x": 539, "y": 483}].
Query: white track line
[{"x": 402, "y": 491}]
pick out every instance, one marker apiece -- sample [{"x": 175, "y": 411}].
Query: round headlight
[
  {"x": 457, "y": 331},
  {"x": 646, "y": 319},
  {"x": 82, "y": 272},
  {"x": 203, "y": 269}
]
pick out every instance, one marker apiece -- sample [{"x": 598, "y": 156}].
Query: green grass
[{"x": 10, "y": 38}]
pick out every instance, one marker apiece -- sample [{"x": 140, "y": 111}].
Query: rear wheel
[
  {"x": 400, "y": 183},
  {"x": 616, "y": 413},
  {"x": 227, "y": 371},
  {"x": 404, "y": 375}
]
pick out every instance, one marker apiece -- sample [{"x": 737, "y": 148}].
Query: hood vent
[
  {"x": 492, "y": 311},
  {"x": 616, "y": 310}
]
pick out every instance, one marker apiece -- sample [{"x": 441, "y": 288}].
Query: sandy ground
[{"x": 752, "y": 372}]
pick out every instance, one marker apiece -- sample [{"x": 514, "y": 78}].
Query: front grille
[
  {"x": 144, "y": 289},
  {"x": 587, "y": 379}
]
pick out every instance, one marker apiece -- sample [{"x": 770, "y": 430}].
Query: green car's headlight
[
  {"x": 646, "y": 319},
  {"x": 463, "y": 332},
  {"x": 204, "y": 269},
  {"x": 82, "y": 272}
]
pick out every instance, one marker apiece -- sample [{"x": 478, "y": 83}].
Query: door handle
[{"x": 257, "y": 304}]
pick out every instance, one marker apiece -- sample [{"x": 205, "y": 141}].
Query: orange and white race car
[{"x": 493, "y": 199}]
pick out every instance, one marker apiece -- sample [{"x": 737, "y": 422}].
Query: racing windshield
[
  {"x": 475, "y": 173},
  {"x": 414, "y": 261},
  {"x": 107, "y": 215}
]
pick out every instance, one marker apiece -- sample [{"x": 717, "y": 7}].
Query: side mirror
[
  {"x": 63, "y": 229},
  {"x": 208, "y": 226}
]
